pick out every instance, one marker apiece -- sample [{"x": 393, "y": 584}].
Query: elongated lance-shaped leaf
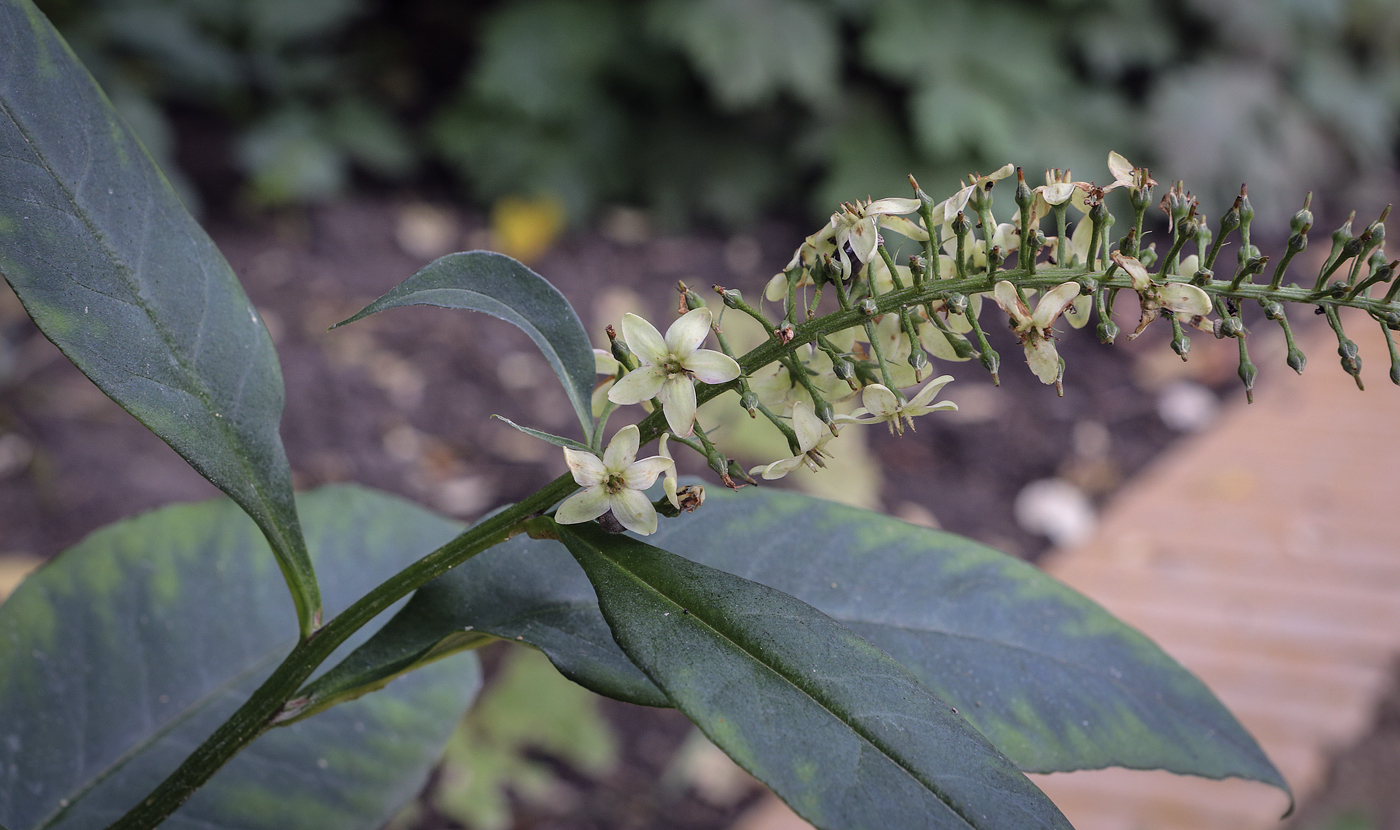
[
  {"x": 1052, "y": 679},
  {"x": 498, "y": 285},
  {"x": 842, "y": 732},
  {"x": 132, "y": 647},
  {"x": 121, "y": 278}
]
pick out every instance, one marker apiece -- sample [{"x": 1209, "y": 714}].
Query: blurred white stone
[
  {"x": 15, "y": 453},
  {"x": 426, "y": 231},
  {"x": 1056, "y": 509},
  {"x": 1187, "y": 407},
  {"x": 464, "y": 497}
]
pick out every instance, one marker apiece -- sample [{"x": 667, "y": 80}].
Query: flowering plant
[{"x": 916, "y": 701}]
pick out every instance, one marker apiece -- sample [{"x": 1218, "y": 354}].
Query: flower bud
[
  {"x": 1107, "y": 330},
  {"x": 961, "y": 225},
  {"x": 1297, "y": 360},
  {"x": 736, "y": 471},
  {"x": 957, "y": 303},
  {"x": 1025, "y": 197},
  {"x": 1230, "y": 327},
  {"x": 917, "y": 267},
  {"x": 1181, "y": 344},
  {"x": 868, "y": 307},
  {"x": 749, "y": 401},
  {"x": 1246, "y": 209},
  {"x": 1302, "y": 221},
  {"x": 1248, "y": 372}
]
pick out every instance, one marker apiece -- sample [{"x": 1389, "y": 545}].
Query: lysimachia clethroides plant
[{"x": 874, "y": 674}]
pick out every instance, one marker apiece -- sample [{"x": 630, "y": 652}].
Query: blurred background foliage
[{"x": 721, "y": 111}]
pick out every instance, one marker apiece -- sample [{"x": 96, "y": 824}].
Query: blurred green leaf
[
  {"x": 133, "y": 646},
  {"x": 289, "y": 159},
  {"x": 528, "y": 707},
  {"x": 749, "y": 51},
  {"x": 839, "y": 730}
]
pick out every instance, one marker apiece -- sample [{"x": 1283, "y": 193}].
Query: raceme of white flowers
[{"x": 889, "y": 352}]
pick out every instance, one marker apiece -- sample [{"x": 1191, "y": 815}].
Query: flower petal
[
  {"x": 678, "y": 402},
  {"x": 1056, "y": 194},
  {"x": 580, "y": 507},
  {"x": 670, "y": 484},
  {"x": 604, "y": 363},
  {"x": 904, "y": 227},
  {"x": 1043, "y": 359},
  {"x": 930, "y": 389},
  {"x": 688, "y": 332},
  {"x": 880, "y": 401},
  {"x": 711, "y": 366},
  {"x": 1055, "y": 301},
  {"x": 776, "y": 289},
  {"x": 643, "y": 339},
  {"x": 633, "y": 511},
  {"x": 937, "y": 344},
  {"x": 1121, "y": 168},
  {"x": 1133, "y": 269},
  {"x": 1000, "y": 173},
  {"x": 1005, "y": 295},
  {"x": 807, "y": 426},
  {"x": 638, "y": 386},
  {"x": 1186, "y": 299},
  {"x": 642, "y": 474},
  {"x": 622, "y": 449},
  {"x": 891, "y": 205},
  {"x": 586, "y": 468},
  {"x": 778, "y": 468}
]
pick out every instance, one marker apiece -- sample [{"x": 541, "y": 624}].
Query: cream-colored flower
[
  {"x": 812, "y": 438},
  {"x": 883, "y": 405},
  {"x": 1035, "y": 330},
  {"x": 671, "y": 365},
  {"x": 1178, "y": 297},
  {"x": 948, "y": 210},
  {"x": 858, "y": 224},
  {"x": 615, "y": 482},
  {"x": 1125, "y": 174}
]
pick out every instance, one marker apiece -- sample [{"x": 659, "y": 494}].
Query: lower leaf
[{"x": 838, "y": 729}]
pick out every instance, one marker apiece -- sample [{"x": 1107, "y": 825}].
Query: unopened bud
[
  {"x": 1248, "y": 372},
  {"x": 956, "y": 303},
  {"x": 1024, "y": 195},
  {"x": 730, "y": 296},
  {"x": 961, "y": 225},
  {"x": 1272, "y": 310},
  {"x": 1107, "y": 330},
  {"x": 917, "y": 267},
  {"x": 1231, "y": 220},
  {"x": 785, "y": 333},
  {"x": 1246, "y": 209},
  {"x": 736, "y": 471},
  {"x": 1181, "y": 344},
  {"x": 1297, "y": 360},
  {"x": 918, "y": 360},
  {"x": 1230, "y": 327},
  {"x": 749, "y": 401},
  {"x": 842, "y": 368},
  {"x": 867, "y": 307},
  {"x": 1302, "y": 221}
]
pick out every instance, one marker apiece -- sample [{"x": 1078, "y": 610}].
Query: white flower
[
  {"x": 615, "y": 482},
  {"x": 603, "y": 364},
  {"x": 948, "y": 210},
  {"x": 1034, "y": 330},
  {"x": 881, "y": 404},
  {"x": 1125, "y": 175},
  {"x": 812, "y": 438},
  {"x": 1177, "y": 297},
  {"x": 670, "y": 366},
  {"x": 857, "y": 224}
]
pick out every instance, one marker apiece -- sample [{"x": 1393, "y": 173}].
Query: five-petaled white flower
[
  {"x": 1178, "y": 297},
  {"x": 812, "y": 438},
  {"x": 670, "y": 366},
  {"x": 1034, "y": 330},
  {"x": 881, "y": 404},
  {"x": 858, "y": 224},
  {"x": 615, "y": 482}
]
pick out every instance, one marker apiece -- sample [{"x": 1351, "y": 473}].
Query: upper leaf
[
  {"x": 136, "y": 644},
  {"x": 500, "y": 286},
  {"x": 843, "y": 733},
  {"x": 121, "y": 278}
]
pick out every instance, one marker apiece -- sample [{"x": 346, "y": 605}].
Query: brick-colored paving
[{"x": 1265, "y": 556}]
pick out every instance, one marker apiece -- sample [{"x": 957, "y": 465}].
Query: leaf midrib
[{"x": 861, "y": 733}]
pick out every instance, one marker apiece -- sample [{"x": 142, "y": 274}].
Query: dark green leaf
[
  {"x": 1056, "y": 682},
  {"x": 118, "y": 275},
  {"x": 845, "y": 735},
  {"x": 500, "y": 286},
  {"x": 126, "y": 651},
  {"x": 523, "y": 590}
]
